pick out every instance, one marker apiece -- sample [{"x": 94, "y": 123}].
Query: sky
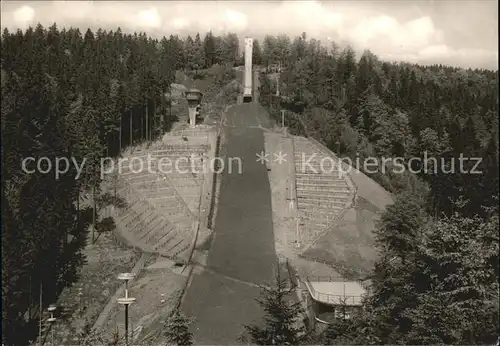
[{"x": 454, "y": 32}]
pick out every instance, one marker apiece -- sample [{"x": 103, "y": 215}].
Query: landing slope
[{"x": 242, "y": 254}]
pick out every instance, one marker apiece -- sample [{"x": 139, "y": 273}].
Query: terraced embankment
[
  {"x": 165, "y": 188},
  {"x": 348, "y": 243},
  {"x": 323, "y": 191},
  {"x": 324, "y": 211},
  {"x": 164, "y": 199}
]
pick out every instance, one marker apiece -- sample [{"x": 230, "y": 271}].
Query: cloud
[
  {"x": 235, "y": 20},
  {"x": 23, "y": 16},
  {"x": 386, "y": 36},
  {"x": 409, "y": 31},
  {"x": 149, "y": 18},
  {"x": 436, "y": 51},
  {"x": 180, "y": 23}
]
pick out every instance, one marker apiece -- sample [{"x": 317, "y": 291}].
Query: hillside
[
  {"x": 349, "y": 243},
  {"x": 404, "y": 126}
]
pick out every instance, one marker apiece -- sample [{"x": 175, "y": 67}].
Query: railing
[
  {"x": 337, "y": 299},
  {"x": 316, "y": 278},
  {"x": 214, "y": 181},
  {"x": 333, "y": 299}
]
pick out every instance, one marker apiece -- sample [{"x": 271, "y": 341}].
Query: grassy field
[
  {"x": 349, "y": 247},
  {"x": 148, "y": 313},
  {"x": 104, "y": 260}
]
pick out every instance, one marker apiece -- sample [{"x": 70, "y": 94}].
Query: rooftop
[{"x": 336, "y": 292}]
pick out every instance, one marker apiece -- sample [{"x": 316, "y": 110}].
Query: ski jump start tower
[{"x": 247, "y": 91}]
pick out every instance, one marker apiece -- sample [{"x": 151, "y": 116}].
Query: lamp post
[
  {"x": 52, "y": 320},
  {"x": 278, "y": 80},
  {"x": 80, "y": 294},
  {"x": 126, "y": 300},
  {"x": 40, "y": 321},
  {"x": 277, "y": 85},
  {"x": 297, "y": 244}
]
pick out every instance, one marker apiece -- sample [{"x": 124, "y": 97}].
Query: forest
[
  {"x": 436, "y": 281},
  {"x": 68, "y": 94},
  {"x": 88, "y": 95}
]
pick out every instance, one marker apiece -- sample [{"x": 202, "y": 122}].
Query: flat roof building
[{"x": 333, "y": 297}]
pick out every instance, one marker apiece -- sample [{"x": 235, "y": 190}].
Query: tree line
[{"x": 84, "y": 96}]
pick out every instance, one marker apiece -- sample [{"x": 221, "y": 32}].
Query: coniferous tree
[
  {"x": 189, "y": 51},
  {"x": 177, "y": 329},
  {"x": 282, "y": 322},
  {"x": 198, "y": 58},
  {"x": 256, "y": 53},
  {"x": 399, "y": 226},
  {"x": 209, "y": 50}
]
